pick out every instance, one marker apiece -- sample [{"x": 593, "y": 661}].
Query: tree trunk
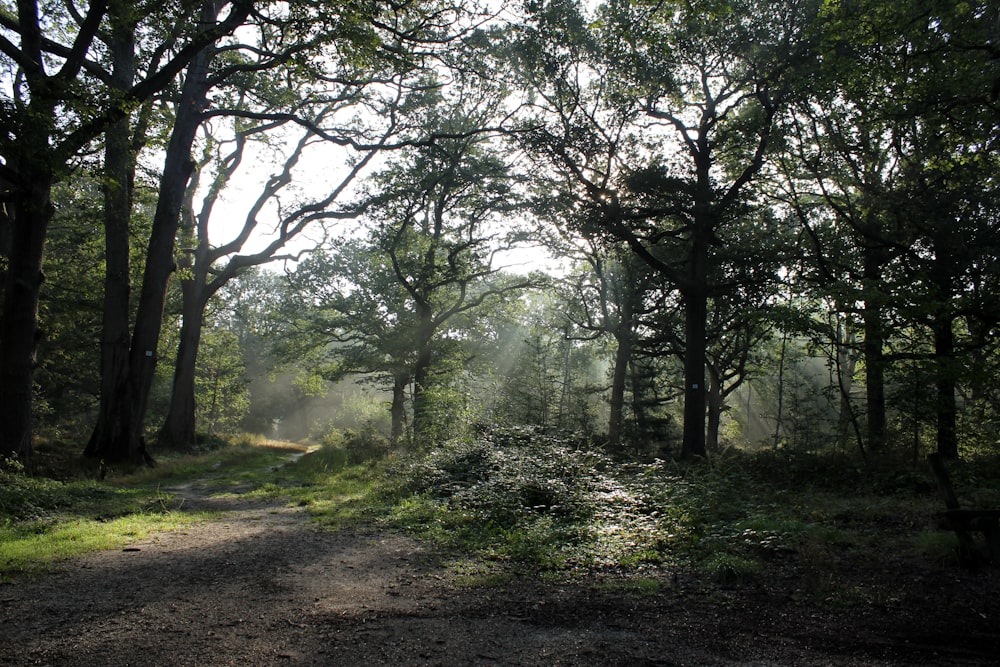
[
  {"x": 695, "y": 294},
  {"x": 31, "y": 212},
  {"x": 873, "y": 351},
  {"x": 944, "y": 354},
  {"x": 563, "y": 419},
  {"x": 421, "y": 376},
  {"x": 123, "y": 432},
  {"x": 179, "y": 427},
  {"x": 716, "y": 404},
  {"x": 619, "y": 376},
  {"x": 400, "y": 382},
  {"x": 6, "y": 224},
  {"x": 119, "y": 176},
  {"x": 695, "y": 309},
  {"x": 844, "y": 367},
  {"x": 694, "y": 291},
  {"x": 779, "y": 411}
]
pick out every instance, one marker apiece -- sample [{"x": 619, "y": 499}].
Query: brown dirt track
[{"x": 264, "y": 586}]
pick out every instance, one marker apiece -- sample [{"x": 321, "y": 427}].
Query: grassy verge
[
  {"x": 514, "y": 501},
  {"x": 45, "y": 520}
]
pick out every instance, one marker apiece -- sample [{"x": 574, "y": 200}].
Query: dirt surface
[{"x": 264, "y": 586}]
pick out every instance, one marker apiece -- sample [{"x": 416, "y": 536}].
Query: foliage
[
  {"x": 70, "y": 303},
  {"x": 221, "y": 385},
  {"x": 355, "y": 446},
  {"x": 526, "y": 498}
]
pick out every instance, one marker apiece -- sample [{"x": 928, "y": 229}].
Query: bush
[
  {"x": 507, "y": 474},
  {"x": 357, "y": 446},
  {"x": 730, "y": 570},
  {"x": 525, "y": 495}
]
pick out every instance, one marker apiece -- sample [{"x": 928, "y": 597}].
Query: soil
[{"x": 264, "y": 585}]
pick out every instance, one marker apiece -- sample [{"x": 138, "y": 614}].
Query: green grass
[
  {"x": 44, "y": 520},
  {"x": 33, "y": 547},
  {"x": 331, "y": 488},
  {"x": 519, "y": 501}
]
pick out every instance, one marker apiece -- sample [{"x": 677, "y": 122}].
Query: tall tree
[
  {"x": 118, "y": 434},
  {"x": 900, "y": 116},
  {"x": 440, "y": 229},
  {"x": 436, "y": 218},
  {"x": 60, "y": 97},
  {"x": 610, "y": 298},
  {"x": 291, "y": 37},
  {"x": 207, "y": 267},
  {"x": 349, "y": 107},
  {"x": 348, "y": 315},
  {"x": 699, "y": 99},
  {"x": 121, "y": 148}
]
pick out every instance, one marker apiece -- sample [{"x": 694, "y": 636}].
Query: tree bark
[
  {"x": 844, "y": 367},
  {"x": 779, "y": 411},
  {"x": 180, "y": 426},
  {"x": 874, "y": 350},
  {"x": 400, "y": 382},
  {"x": 31, "y": 213},
  {"x": 695, "y": 312},
  {"x": 119, "y": 176},
  {"x": 947, "y": 411},
  {"x": 121, "y": 428},
  {"x": 179, "y": 429},
  {"x": 694, "y": 291},
  {"x": 716, "y": 404},
  {"x": 6, "y": 224},
  {"x": 619, "y": 376},
  {"x": 421, "y": 374}
]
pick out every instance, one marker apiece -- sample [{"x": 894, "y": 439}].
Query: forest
[
  {"x": 498, "y": 255},
  {"x": 674, "y": 228}
]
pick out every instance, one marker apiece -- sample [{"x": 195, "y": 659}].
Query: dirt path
[{"x": 264, "y": 586}]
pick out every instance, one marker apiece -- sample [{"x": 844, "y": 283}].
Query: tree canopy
[{"x": 762, "y": 210}]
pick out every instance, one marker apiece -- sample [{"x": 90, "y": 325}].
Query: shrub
[
  {"x": 358, "y": 446},
  {"x": 729, "y": 569}
]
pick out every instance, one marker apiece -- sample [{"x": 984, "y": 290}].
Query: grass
[
  {"x": 519, "y": 501},
  {"x": 45, "y": 520},
  {"x": 33, "y": 547}
]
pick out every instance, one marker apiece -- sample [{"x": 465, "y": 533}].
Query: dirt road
[{"x": 264, "y": 586}]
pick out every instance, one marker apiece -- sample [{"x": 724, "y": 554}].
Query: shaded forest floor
[{"x": 262, "y": 584}]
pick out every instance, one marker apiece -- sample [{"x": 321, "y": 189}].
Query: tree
[
  {"x": 389, "y": 302},
  {"x": 386, "y": 45},
  {"x": 438, "y": 222},
  {"x": 888, "y": 133},
  {"x": 206, "y": 268},
  {"x": 289, "y": 37},
  {"x": 349, "y": 316},
  {"x": 611, "y": 298},
  {"x": 57, "y": 100},
  {"x": 697, "y": 100},
  {"x": 119, "y": 434},
  {"x": 249, "y": 307},
  {"x": 121, "y": 148}
]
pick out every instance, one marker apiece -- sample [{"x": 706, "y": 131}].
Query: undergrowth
[{"x": 524, "y": 499}]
